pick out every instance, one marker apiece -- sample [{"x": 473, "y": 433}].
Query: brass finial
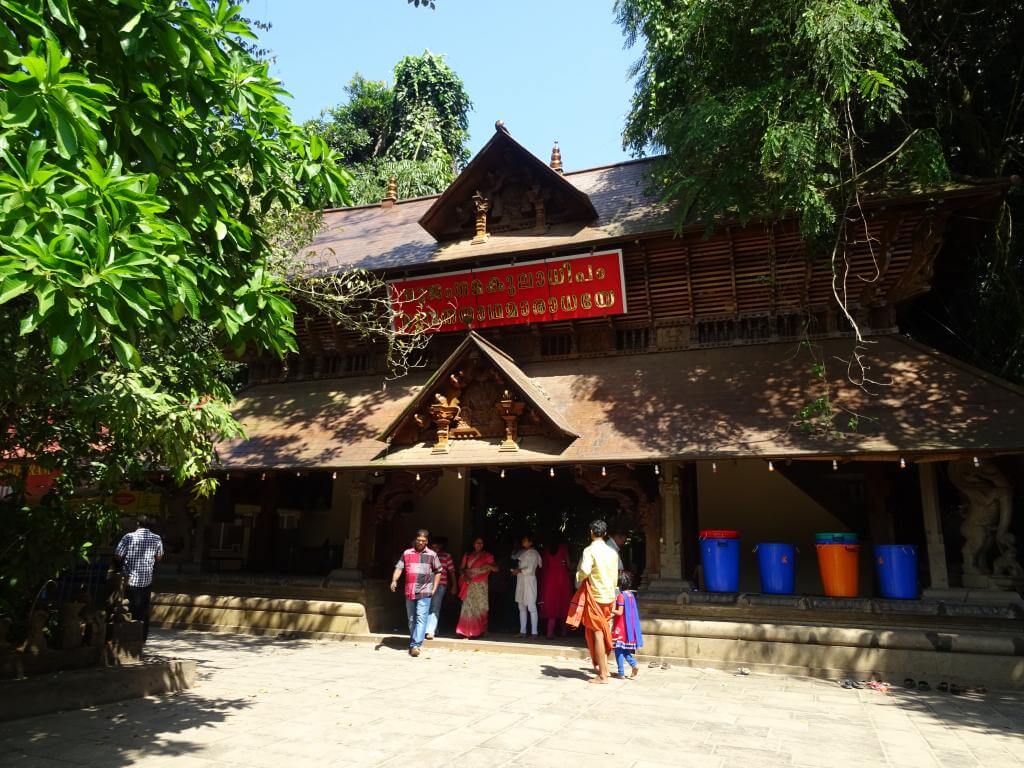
[
  {"x": 556, "y": 158},
  {"x": 392, "y": 196},
  {"x": 499, "y": 125}
]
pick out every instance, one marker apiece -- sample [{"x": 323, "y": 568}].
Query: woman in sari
[
  {"x": 556, "y": 586},
  {"x": 476, "y": 567}
]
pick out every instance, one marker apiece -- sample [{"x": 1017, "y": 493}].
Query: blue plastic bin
[
  {"x": 720, "y": 556},
  {"x": 896, "y": 566},
  {"x": 777, "y": 563}
]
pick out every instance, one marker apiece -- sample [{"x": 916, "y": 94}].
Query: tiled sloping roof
[
  {"x": 372, "y": 237},
  {"x": 725, "y": 402}
]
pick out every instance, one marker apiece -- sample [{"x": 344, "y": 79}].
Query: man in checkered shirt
[
  {"x": 138, "y": 552},
  {"x": 422, "y": 575}
]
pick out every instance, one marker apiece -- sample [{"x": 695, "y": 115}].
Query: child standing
[
  {"x": 626, "y": 633},
  {"x": 526, "y": 584}
]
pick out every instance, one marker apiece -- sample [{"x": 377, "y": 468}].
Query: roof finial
[
  {"x": 392, "y": 195},
  {"x": 556, "y": 159},
  {"x": 499, "y": 125}
]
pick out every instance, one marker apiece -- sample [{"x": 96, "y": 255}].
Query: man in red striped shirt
[{"x": 422, "y": 575}]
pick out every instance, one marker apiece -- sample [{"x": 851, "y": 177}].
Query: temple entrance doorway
[{"x": 532, "y": 501}]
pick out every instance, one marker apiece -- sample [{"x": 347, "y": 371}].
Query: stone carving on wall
[{"x": 989, "y": 549}]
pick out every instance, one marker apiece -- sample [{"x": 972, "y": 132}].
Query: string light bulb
[
  {"x": 977, "y": 461},
  {"x": 657, "y": 469},
  {"x": 503, "y": 474},
  {"x": 771, "y": 467},
  {"x": 417, "y": 477},
  {"x": 298, "y": 473},
  {"x": 903, "y": 463},
  {"x": 334, "y": 475},
  {"x": 604, "y": 472},
  {"x": 714, "y": 467},
  {"x": 459, "y": 473},
  {"x": 551, "y": 472},
  {"x": 263, "y": 476},
  {"x": 835, "y": 464},
  {"x": 227, "y": 475}
]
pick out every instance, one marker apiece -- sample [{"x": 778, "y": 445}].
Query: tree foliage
[
  {"x": 140, "y": 146},
  {"x": 414, "y": 130},
  {"x": 764, "y": 108}
]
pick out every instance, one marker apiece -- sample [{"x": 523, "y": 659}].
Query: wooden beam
[
  {"x": 689, "y": 280},
  {"x": 732, "y": 272}
]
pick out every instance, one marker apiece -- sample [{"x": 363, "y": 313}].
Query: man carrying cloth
[{"x": 592, "y": 604}]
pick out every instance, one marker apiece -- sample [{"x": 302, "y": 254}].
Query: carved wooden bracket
[
  {"x": 510, "y": 411},
  {"x": 620, "y": 485},
  {"x": 481, "y": 205},
  {"x": 536, "y": 198}
]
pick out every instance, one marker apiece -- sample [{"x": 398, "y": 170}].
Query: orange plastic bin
[{"x": 839, "y": 565}]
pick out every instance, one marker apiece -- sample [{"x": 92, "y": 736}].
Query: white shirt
[{"x": 526, "y": 579}]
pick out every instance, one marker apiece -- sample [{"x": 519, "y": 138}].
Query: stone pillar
[
  {"x": 938, "y": 573},
  {"x": 669, "y": 582},
  {"x": 349, "y": 572}
]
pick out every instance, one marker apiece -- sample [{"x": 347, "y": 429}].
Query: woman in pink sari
[
  {"x": 556, "y": 586},
  {"x": 476, "y": 567}
]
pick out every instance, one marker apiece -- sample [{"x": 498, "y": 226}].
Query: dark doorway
[{"x": 531, "y": 501}]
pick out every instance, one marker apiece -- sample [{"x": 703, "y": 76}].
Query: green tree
[
  {"x": 415, "y": 131},
  {"x": 140, "y": 147}
]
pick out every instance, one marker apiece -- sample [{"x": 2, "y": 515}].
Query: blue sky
[{"x": 550, "y": 70}]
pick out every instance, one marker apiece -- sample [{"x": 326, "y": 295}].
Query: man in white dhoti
[{"x": 526, "y": 585}]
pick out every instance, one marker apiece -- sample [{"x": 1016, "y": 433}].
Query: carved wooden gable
[
  {"x": 505, "y": 188},
  {"x": 478, "y": 393}
]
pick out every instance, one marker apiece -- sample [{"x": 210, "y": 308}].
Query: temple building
[{"x": 592, "y": 355}]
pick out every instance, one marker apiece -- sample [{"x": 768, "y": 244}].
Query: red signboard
[{"x": 543, "y": 291}]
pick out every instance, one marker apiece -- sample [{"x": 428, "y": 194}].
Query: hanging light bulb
[
  {"x": 227, "y": 475},
  {"x": 334, "y": 475},
  {"x": 835, "y": 465},
  {"x": 551, "y": 472},
  {"x": 903, "y": 463},
  {"x": 459, "y": 473},
  {"x": 977, "y": 461},
  {"x": 604, "y": 472},
  {"x": 417, "y": 477},
  {"x": 771, "y": 467},
  {"x": 298, "y": 473},
  {"x": 263, "y": 476},
  {"x": 714, "y": 467},
  {"x": 161, "y": 477},
  {"x": 503, "y": 474},
  {"x": 657, "y": 469}
]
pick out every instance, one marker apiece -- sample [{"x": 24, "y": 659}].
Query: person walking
[
  {"x": 526, "y": 585},
  {"x": 137, "y": 553},
  {"x": 422, "y": 570},
  {"x": 477, "y": 566},
  {"x": 591, "y": 606},
  {"x": 449, "y": 583},
  {"x": 555, "y": 585},
  {"x": 627, "y": 636}
]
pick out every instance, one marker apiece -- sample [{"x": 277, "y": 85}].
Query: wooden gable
[
  {"x": 505, "y": 188},
  {"x": 477, "y": 393}
]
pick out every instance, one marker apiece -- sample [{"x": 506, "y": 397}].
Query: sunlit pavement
[{"x": 278, "y": 703}]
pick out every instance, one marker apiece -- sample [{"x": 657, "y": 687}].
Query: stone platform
[
  {"x": 80, "y": 688},
  {"x": 827, "y": 640}
]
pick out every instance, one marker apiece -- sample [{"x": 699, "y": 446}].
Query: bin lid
[{"x": 716, "y": 534}]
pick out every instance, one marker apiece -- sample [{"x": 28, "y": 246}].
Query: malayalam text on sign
[{"x": 543, "y": 291}]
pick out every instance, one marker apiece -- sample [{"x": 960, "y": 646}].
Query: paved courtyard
[{"x": 274, "y": 703}]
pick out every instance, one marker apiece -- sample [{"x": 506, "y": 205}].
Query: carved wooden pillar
[
  {"x": 668, "y": 581},
  {"x": 934, "y": 540},
  {"x": 357, "y": 495}
]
